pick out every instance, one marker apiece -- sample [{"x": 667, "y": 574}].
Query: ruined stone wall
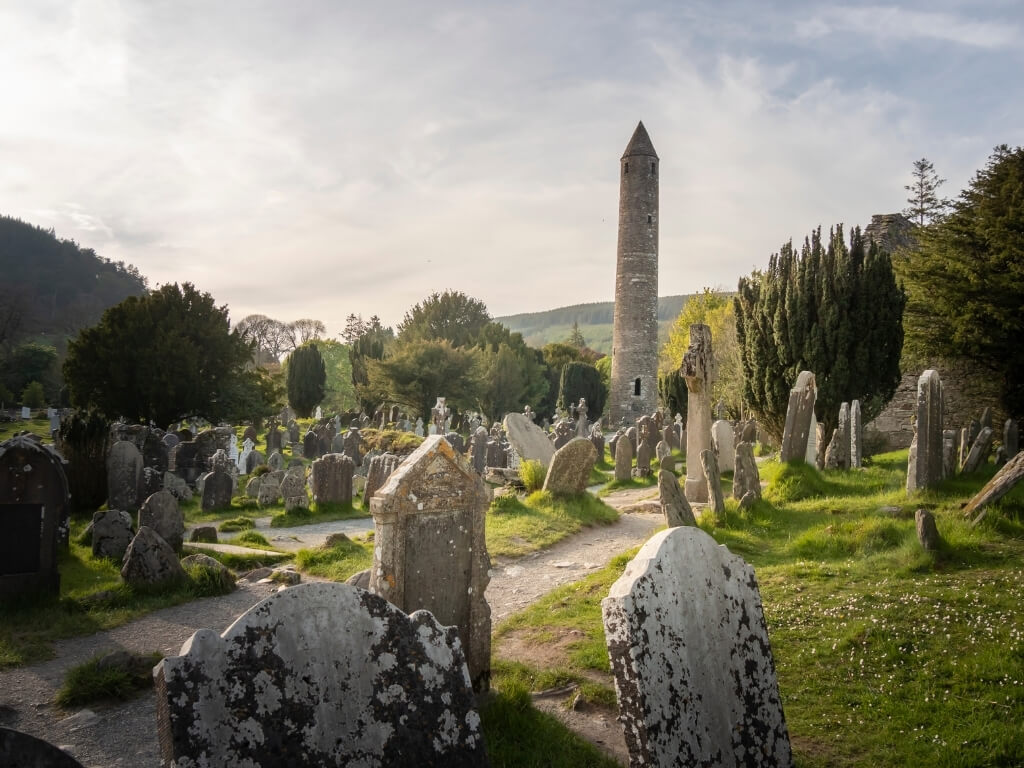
[
  {"x": 635, "y": 330},
  {"x": 966, "y": 390}
]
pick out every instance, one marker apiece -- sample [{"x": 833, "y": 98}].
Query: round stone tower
[{"x": 634, "y": 389}]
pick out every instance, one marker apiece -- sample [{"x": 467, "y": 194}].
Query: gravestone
[
  {"x": 856, "y": 436},
  {"x": 582, "y": 425},
  {"x": 170, "y": 440},
  {"x": 496, "y": 456},
  {"x": 252, "y": 488},
  {"x": 691, "y": 657},
  {"x": 632, "y": 436},
  {"x": 217, "y": 488},
  {"x": 528, "y": 439},
  {"x": 429, "y": 518},
  {"x": 665, "y": 459},
  {"x": 379, "y": 471},
  {"x": 723, "y": 442},
  {"x": 563, "y": 433},
  {"x": 644, "y": 456},
  {"x": 353, "y": 447},
  {"x": 837, "y": 455},
  {"x": 986, "y": 417},
  {"x": 799, "y": 418},
  {"x": 124, "y": 476},
  {"x": 293, "y": 491},
  {"x": 745, "y": 477},
  {"x": 716, "y": 500},
  {"x": 270, "y": 491},
  {"x": 673, "y": 502},
  {"x": 980, "y": 450},
  {"x": 623, "y": 459},
  {"x": 698, "y": 370},
  {"x": 150, "y": 561},
  {"x": 924, "y": 468},
  {"x": 1011, "y": 439},
  {"x": 927, "y": 532},
  {"x": 597, "y": 438},
  {"x": 184, "y": 462},
  {"x": 331, "y": 479},
  {"x": 570, "y": 467},
  {"x": 320, "y": 675},
  {"x": 670, "y": 436},
  {"x": 455, "y": 441},
  {"x": 418, "y": 431},
  {"x": 949, "y": 464},
  {"x": 177, "y": 487},
  {"x": 250, "y": 434},
  {"x": 160, "y": 512},
  {"x": 34, "y": 516},
  {"x": 275, "y": 461},
  {"x": 111, "y": 533},
  {"x": 311, "y": 445},
  {"x": 478, "y": 449},
  {"x": 26, "y": 413}
]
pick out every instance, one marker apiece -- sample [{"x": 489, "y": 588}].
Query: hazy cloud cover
[{"x": 315, "y": 158}]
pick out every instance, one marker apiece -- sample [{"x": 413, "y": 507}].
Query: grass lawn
[
  {"x": 886, "y": 655},
  {"x": 518, "y": 526},
  {"x": 37, "y": 426}
]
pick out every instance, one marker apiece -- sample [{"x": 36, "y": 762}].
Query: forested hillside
[
  {"x": 595, "y": 322},
  {"x": 51, "y": 288}
]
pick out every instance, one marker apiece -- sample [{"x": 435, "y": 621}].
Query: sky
[{"x": 319, "y": 158}]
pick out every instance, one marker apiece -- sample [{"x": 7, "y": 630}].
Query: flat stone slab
[
  {"x": 689, "y": 650},
  {"x": 528, "y": 439},
  {"x": 229, "y": 549},
  {"x": 320, "y": 674}
]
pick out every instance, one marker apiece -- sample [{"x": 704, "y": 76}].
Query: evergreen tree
[
  {"x": 307, "y": 379},
  {"x": 925, "y": 204},
  {"x": 451, "y": 316},
  {"x": 582, "y": 380},
  {"x": 421, "y": 371},
  {"x": 831, "y": 309},
  {"x": 576, "y": 336},
  {"x": 966, "y": 281}
]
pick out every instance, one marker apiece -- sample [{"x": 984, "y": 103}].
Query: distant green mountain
[{"x": 595, "y": 322}]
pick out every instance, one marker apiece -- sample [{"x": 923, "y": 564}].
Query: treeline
[{"x": 598, "y": 313}]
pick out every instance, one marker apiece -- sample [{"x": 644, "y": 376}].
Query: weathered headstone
[
  {"x": 311, "y": 445},
  {"x": 691, "y": 657},
  {"x": 331, "y": 479},
  {"x": 925, "y": 468},
  {"x": 528, "y": 439},
  {"x": 1004, "y": 481},
  {"x": 177, "y": 487},
  {"x": 34, "y": 516},
  {"x": 698, "y": 370},
  {"x": 293, "y": 492},
  {"x": 1011, "y": 438},
  {"x": 670, "y": 436},
  {"x": 124, "y": 476},
  {"x": 986, "y": 417},
  {"x": 353, "y": 447},
  {"x": 927, "y": 532},
  {"x": 270, "y": 491},
  {"x": 799, "y": 415},
  {"x": 673, "y": 502},
  {"x": 570, "y": 467},
  {"x": 111, "y": 533},
  {"x": 623, "y": 459},
  {"x": 478, "y": 449},
  {"x": 856, "y": 436},
  {"x": 320, "y": 674},
  {"x": 949, "y": 464},
  {"x": 379, "y": 471},
  {"x": 837, "y": 455},
  {"x": 724, "y": 444},
  {"x": 644, "y": 456},
  {"x": 745, "y": 478},
  {"x": 716, "y": 500},
  {"x": 160, "y": 512},
  {"x": 429, "y": 519},
  {"x": 217, "y": 486},
  {"x": 979, "y": 451},
  {"x": 665, "y": 458},
  {"x": 150, "y": 560}
]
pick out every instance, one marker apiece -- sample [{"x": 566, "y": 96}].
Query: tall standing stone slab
[
  {"x": 856, "y": 436},
  {"x": 378, "y": 473},
  {"x": 161, "y": 513},
  {"x": 1011, "y": 439},
  {"x": 924, "y": 470},
  {"x": 34, "y": 516},
  {"x": 980, "y": 450},
  {"x": 623, "y": 459},
  {"x": 319, "y": 674},
  {"x": 716, "y": 500},
  {"x": 838, "y": 454},
  {"x": 698, "y": 370},
  {"x": 745, "y": 477},
  {"x": 570, "y": 467},
  {"x": 723, "y": 442},
  {"x": 217, "y": 488},
  {"x": 799, "y": 416},
  {"x": 691, "y": 657},
  {"x": 124, "y": 476},
  {"x": 331, "y": 479},
  {"x": 430, "y": 551},
  {"x": 528, "y": 439}
]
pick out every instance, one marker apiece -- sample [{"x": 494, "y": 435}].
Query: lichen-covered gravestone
[
  {"x": 623, "y": 458},
  {"x": 674, "y": 505},
  {"x": 320, "y": 674},
  {"x": 723, "y": 441},
  {"x": 33, "y": 515},
  {"x": 150, "y": 561},
  {"x": 161, "y": 513},
  {"x": 692, "y": 662},
  {"x": 111, "y": 533},
  {"x": 570, "y": 467},
  {"x": 799, "y": 418},
  {"x": 124, "y": 475},
  {"x": 745, "y": 477},
  {"x": 699, "y": 371},
  {"x": 379, "y": 471},
  {"x": 331, "y": 479},
  {"x": 217, "y": 487},
  {"x": 856, "y": 436},
  {"x": 429, "y": 548},
  {"x": 924, "y": 465}
]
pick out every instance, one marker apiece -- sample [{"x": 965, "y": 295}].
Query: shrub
[
  {"x": 33, "y": 395},
  {"x": 532, "y": 473},
  {"x": 252, "y": 537}
]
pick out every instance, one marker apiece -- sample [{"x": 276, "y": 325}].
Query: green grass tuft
[
  {"x": 532, "y": 473},
  {"x": 251, "y": 539},
  {"x": 236, "y": 524},
  {"x": 337, "y": 563},
  {"x": 91, "y": 682}
]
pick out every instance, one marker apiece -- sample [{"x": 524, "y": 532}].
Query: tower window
[
  {"x": 636, "y": 388},
  {"x": 650, "y": 219},
  {"x": 625, "y": 168},
  {"x": 654, "y": 168}
]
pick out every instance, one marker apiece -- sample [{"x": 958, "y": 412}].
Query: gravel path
[{"x": 125, "y": 734}]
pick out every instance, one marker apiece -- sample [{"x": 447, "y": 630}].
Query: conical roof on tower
[{"x": 640, "y": 144}]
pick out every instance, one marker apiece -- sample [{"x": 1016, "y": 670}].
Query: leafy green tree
[
  {"x": 452, "y": 316},
  {"x": 507, "y": 389},
  {"x": 160, "y": 357},
  {"x": 582, "y": 380},
  {"x": 307, "y": 379},
  {"x": 31, "y": 362},
  {"x": 340, "y": 394},
  {"x": 830, "y": 309},
  {"x": 966, "y": 281},
  {"x": 925, "y": 205},
  {"x": 421, "y": 371},
  {"x": 33, "y": 395}
]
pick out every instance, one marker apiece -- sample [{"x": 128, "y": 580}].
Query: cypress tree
[
  {"x": 582, "y": 380},
  {"x": 307, "y": 379},
  {"x": 835, "y": 310}
]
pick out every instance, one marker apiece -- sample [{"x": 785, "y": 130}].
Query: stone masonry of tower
[{"x": 634, "y": 382}]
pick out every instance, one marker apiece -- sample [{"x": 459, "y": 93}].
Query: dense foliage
[
  {"x": 966, "y": 281},
  {"x": 162, "y": 357},
  {"x": 450, "y": 316},
  {"x": 82, "y": 439},
  {"x": 582, "y": 380},
  {"x": 307, "y": 379},
  {"x": 31, "y": 363},
  {"x": 420, "y": 371},
  {"x": 830, "y": 309}
]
